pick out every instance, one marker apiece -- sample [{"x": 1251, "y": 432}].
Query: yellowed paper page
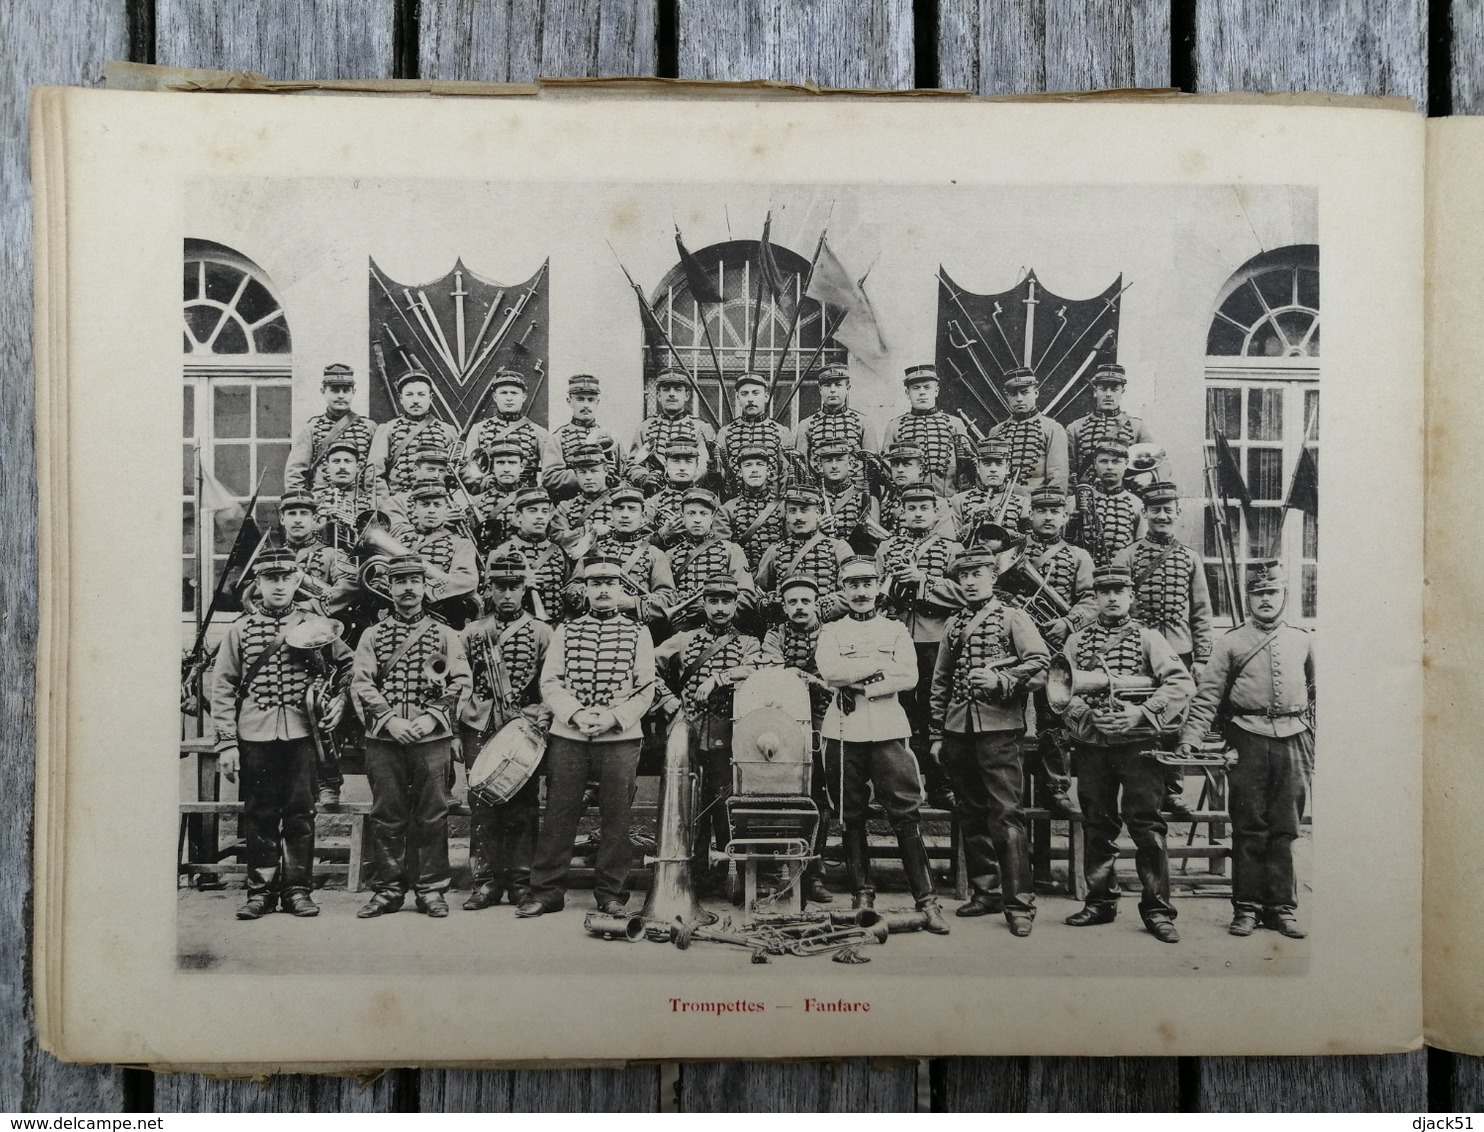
[
  {"x": 1453, "y": 895},
  {"x": 1197, "y": 234}
]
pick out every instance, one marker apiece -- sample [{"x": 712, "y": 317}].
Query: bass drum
[{"x": 507, "y": 761}]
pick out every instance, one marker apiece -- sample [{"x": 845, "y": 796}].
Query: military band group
[{"x": 924, "y": 587}]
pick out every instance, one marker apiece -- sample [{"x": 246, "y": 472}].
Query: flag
[
  {"x": 832, "y": 285},
  {"x": 1229, "y": 475},
  {"x": 702, "y": 289},
  {"x": 229, "y": 581},
  {"x": 768, "y": 271},
  {"x": 1303, "y": 489},
  {"x": 215, "y": 497}
]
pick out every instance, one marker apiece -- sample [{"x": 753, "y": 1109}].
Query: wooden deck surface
[{"x": 1435, "y": 57}]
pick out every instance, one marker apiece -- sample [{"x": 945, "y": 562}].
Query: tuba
[
  {"x": 1101, "y": 686},
  {"x": 672, "y": 895}
]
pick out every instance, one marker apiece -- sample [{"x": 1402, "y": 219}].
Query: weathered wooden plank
[
  {"x": 839, "y": 43},
  {"x": 551, "y": 1090},
  {"x": 39, "y": 49},
  {"x": 1465, "y": 1086},
  {"x": 857, "y": 1085},
  {"x": 514, "y": 42},
  {"x": 1056, "y": 1084},
  {"x": 189, "y": 1092},
  {"x": 1392, "y": 1083},
  {"x": 283, "y": 39},
  {"x": 1466, "y": 61},
  {"x": 1349, "y": 46},
  {"x": 289, "y": 39},
  {"x": 1015, "y": 46}
]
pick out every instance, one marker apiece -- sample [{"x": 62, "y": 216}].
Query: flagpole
[
  {"x": 1226, "y": 551},
  {"x": 706, "y": 327},
  {"x": 757, "y": 302},
  {"x": 197, "y": 584},
  {"x": 798, "y": 309},
  {"x": 1275, "y": 548}
]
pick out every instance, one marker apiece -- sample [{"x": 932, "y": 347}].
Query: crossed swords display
[{"x": 965, "y": 341}]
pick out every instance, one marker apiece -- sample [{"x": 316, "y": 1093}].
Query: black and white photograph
[{"x": 602, "y": 578}]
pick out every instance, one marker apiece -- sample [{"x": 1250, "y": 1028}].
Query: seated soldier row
[{"x": 594, "y": 677}]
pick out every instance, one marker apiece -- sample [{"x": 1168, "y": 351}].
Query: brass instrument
[
  {"x": 482, "y": 652},
  {"x": 627, "y": 928},
  {"x": 311, "y": 637},
  {"x": 1040, "y": 602},
  {"x": 671, "y": 902},
  {"x": 383, "y": 547},
  {"x": 1100, "y": 687},
  {"x": 1145, "y": 457},
  {"x": 1089, "y": 526},
  {"x": 804, "y": 933},
  {"x": 435, "y": 671}
]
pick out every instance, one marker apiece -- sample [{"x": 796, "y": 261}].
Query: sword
[
  {"x": 1072, "y": 381},
  {"x": 999, "y": 310},
  {"x": 438, "y": 330},
  {"x": 488, "y": 318},
  {"x": 458, "y": 294},
  {"x": 1031, "y": 303},
  {"x": 959, "y": 373}
]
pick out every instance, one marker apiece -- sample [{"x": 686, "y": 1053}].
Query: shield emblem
[
  {"x": 460, "y": 330},
  {"x": 982, "y": 337}
]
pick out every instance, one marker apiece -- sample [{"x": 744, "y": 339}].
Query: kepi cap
[{"x": 915, "y": 375}]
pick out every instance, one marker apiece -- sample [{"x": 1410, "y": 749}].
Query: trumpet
[{"x": 435, "y": 672}]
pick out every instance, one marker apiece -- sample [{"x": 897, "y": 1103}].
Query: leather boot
[
  {"x": 858, "y": 866},
  {"x": 919, "y": 879}
]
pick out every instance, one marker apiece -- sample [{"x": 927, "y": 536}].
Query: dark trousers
[
  {"x": 889, "y": 767},
  {"x": 1049, "y": 760},
  {"x": 278, "y": 813},
  {"x": 917, "y": 703},
  {"x": 1268, "y": 786},
  {"x": 409, "y": 814},
  {"x": 821, "y": 794},
  {"x": 1118, "y": 786},
  {"x": 985, "y": 772},
  {"x": 569, "y": 765},
  {"x": 710, "y": 744},
  {"x": 502, "y": 838},
  {"x": 1175, "y": 775}
]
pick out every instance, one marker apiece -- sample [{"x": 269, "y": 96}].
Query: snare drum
[{"x": 507, "y": 761}]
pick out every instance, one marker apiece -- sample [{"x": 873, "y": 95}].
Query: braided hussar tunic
[
  {"x": 739, "y": 649},
  {"x": 658, "y": 432},
  {"x": 402, "y": 446},
  {"x": 849, "y": 507},
  {"x": 935, "y": 432},
  {"x": 273, "y": 703},
  {"x": 519, "y": 658},
  {"x": 1170, "y": 594},
  {"x": 821, "y": 563},
  {"x": 967, "y": 505},
  {"x": 1118, "y": 513},
  {"x": 521, "y": 430},
  {"x": 692, "y": 563},
  {"x": 922, "y": 609},
  {"x": 308, "y": 449},
  {"x": 743, "y": 510},
  {"x": 846, "y": 426},
  {"x": 1067, "y": 571},
  {"x": 744, "y": 432},
  {"x": 1087, "y": 432},
  {"x": 599, "y": 657},
  {"x": 407, "y": 690},
  {"x": 793, "y": 647},
  {"x": 546, "y": 569},
  {"x": 1128, "y": 648},
  {"x": 581, "y": 510}
]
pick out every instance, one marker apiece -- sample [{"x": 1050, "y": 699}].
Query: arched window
[
  {"x": 732, "y": 269},
  {"x": 1262, "y": 393},
  {"x": 238, "y": 373}
]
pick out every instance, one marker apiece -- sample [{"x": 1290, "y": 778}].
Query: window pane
[
  {"x": 1296, "y": 326},
  {"x": 202, "y": 321},
  {"x": 1311, "y": 415},
  {"x": 232, "y": 339},
  {"x": 1265, "y": 473},
  {"x": 1264, "y": 414},
  {"x": 1311, "y": 536},
  {"x": 1262, "y": 532},
  {"x": 1311, "y": 591},
  {"x": 1224, "y": 340},
  {"x": 272, "y": 337},
  {"x": 255, "y": 304},
  {"x": 1212, "y": 543},
  {"x": 1276, "y": 286},
  {"x": 187, "y": 588},
  {"x": 1224, "y": 411},
  {"x": 188, "y": 417},
  {"x": 188, "y": 469},
  {"x": 1242, "y": 307},
  {"x": 232, "y": 406},
  {"x": 224, "y": 530},
  {"x": 192, "y": 279},
  {"x": 1215, "y": 582},
  {"x": 273, "y": 411},
  {"x": 271, "y": 459},
  {"x": 222, "y": 282},
  {"x": 1308, "y": 288},
  {"x": 229, "y": 461},
  {"x": 188, "y": 529}
]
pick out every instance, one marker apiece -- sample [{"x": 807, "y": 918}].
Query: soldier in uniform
[
  {"x": 1259, "y": 684},
  {"x": 868, "y": 659},
  {"x": 583, "y": 429},
  {"x": 755, "y": 514},
  {"x": 989, "y": 658},
  {"x": 341, "y": 498},
  {"x": 506, "y": 650},
  {"x": 1118, "y": 782},
  {"x": 1068, "y": 605},
  {"x": 589, "y": 511},
  {"x": 1107, "y": 421},
  {"x": 450, "y": 567},
  {"x": 907, "y": 470},
  {"x": 396, "y": 444},
  {"x": 913, "y": 564},
  {"x": 672, "y": 421},
  {"x": 791, "y": 644},
  {"x": 752, "y": 427},
  {"x": 701, "y": 666},
  {"x": 429, "y": 465},
  {"x": 646, "y": 588},
  {"x": 258, "y": 711},
  {"x": 850, "y": 511},
  {"x": 510, "y": 422},
  {"x": 994, "y": 499},
  {"x": 663, "y": 509},
  {"x": 598, "y": 679},
  {"x": 803, "y": 550},
  {"x": 410, "y": 678},
  {"x": 1038, "y": 444},
  {"x": 494, "y": 495},
  {"x": 1171, "y": 597},
  {"x": 938, "y": 437},
  {"x": 304, "y": 470},
  {"x": 547, "y": 565},
  {"x": 701, "y": 556},
  {"x": 1113, "y": 512},
  {"x": 836, "y": 422}
]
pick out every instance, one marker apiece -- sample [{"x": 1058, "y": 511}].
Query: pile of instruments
[{"x": 840, "y": 934}]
